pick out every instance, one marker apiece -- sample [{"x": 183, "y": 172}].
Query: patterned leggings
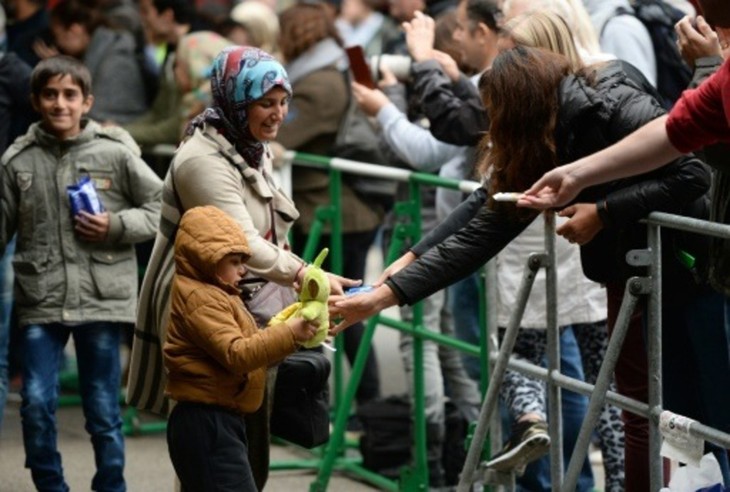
[{"x": 523, "y": 394}]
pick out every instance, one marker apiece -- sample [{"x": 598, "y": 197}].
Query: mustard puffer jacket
[{"x": 214, "y": 353}]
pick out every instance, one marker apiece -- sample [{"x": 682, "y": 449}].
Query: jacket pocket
[
  {"x": 30, "y": 279},
  {"x": 114, "y": 273}
]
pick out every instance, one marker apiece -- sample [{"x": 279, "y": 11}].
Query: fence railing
[{"x": 333, "y": 456}]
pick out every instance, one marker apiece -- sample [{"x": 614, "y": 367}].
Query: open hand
[
  {"x": 554, "y": 189},
  {"x": 346, "y": 311},
  {"x": 420, "y": 35}
]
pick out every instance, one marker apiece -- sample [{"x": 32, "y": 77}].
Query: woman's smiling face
[{"x": 265, "y": 115}]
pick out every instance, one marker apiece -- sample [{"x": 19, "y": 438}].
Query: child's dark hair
[{"x": 60, "y": 65}]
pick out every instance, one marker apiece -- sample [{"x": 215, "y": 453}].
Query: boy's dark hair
[
  {"x": 69, "y": 12},
  {"x": 60, "y": 65},
  {"x": 485, "y": 11}
]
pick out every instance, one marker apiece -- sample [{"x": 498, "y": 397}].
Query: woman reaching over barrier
[{"x": 542, "y": 114}]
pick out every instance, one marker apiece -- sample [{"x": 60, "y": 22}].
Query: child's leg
[
  {"x": 97, "y": 353},
  {"x": 42, "y": 347},
  {"x": 208, "y": 448}
]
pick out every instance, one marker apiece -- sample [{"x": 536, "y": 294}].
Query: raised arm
[{"x": 644, "y": 150}]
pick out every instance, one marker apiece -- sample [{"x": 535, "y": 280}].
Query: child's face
[
  {"x": 231, "y": 269},
  {"x": 61, "y": 105}
]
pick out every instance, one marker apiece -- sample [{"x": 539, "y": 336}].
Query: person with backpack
[
  {"x": 623, "y": 35},
  {"x": 641, "y": 32}
]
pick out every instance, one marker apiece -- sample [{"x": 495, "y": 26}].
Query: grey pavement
[{"x": 148, "y": 466}]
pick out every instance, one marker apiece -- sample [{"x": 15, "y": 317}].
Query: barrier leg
[{"x": 490, "y": 401}]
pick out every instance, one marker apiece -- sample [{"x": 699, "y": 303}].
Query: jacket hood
[
  {"x": 205, "y": 235},
  {"x": 584, "y": 102},
  {"x": 89, "y": 129}
]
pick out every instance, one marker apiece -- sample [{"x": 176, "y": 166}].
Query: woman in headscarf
[{"x": 224, "y": 161}]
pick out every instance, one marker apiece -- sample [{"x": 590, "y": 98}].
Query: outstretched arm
[{"x": 644, "y": 150}]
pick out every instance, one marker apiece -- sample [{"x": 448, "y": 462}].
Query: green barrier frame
[{"x": 333, "y": 455}]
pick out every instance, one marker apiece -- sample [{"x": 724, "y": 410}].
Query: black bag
[
  {"x": 386, "y": 441},
  {"x": 301, "y": 399},
  {"x": 659, "y": 18}
]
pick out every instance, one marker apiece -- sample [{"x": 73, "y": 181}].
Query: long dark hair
[{"x": 520, "y": 93}]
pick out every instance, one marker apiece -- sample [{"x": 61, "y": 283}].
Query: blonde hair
[
  {"x": 261, "y": 23},
  {"x": 572, "y": 11},
  {"x": 544, "y": 30}
]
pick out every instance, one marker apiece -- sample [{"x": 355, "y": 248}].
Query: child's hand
[
  {"x": 302, "y": 329},
  {"x": 92, "y": 227}
]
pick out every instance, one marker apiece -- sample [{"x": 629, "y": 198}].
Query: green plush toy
[{"x": 312, "y": 303}]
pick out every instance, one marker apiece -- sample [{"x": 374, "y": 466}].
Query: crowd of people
[{"x": 557, "y": 99}]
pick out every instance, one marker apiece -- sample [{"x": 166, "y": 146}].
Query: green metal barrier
[{"x": 333, "y": 455}]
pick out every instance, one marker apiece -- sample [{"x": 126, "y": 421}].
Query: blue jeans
[
  {"x": 574, "y": 407},
  {"x": 6, "y": 306},
  {"x": 464, "y": 303},
  {"x": 97, "y": 354}
]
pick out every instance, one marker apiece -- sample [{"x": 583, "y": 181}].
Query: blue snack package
[
  {"x": 83, "y": 196},
  {"x": 359, "y": 290}
]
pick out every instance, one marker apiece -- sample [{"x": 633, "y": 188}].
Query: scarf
[{"x": 240, "y": 75}]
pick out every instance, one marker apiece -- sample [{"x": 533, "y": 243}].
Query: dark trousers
[
  {"x": 208, "y": 449},
  {"x": 632, "y": 380}
]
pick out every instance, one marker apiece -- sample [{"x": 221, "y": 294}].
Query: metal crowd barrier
[
  {"x": 333, "y": 455},
  {"x": 636, "y": 287}
]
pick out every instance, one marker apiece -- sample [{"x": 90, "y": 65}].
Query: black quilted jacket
[{"x": 596, "y": 111}]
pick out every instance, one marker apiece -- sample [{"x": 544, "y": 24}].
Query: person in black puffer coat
[{"x": 542, "y": 115}]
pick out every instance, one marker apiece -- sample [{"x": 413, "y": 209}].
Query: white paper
[
  {"x": 678, "y": 443},
  {"x": 507, "y": 197}
]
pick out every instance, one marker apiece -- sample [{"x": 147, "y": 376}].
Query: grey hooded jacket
[{"x": 60, "y": 278}]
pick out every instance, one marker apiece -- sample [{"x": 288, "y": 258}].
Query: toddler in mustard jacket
[{"x": 215, "y": 355}]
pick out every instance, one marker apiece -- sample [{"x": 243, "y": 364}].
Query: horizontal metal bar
[
  {"x": 576, "y": 385},
  {"x": 447, "y": 340},
  {"x": 689, "y": 224},
  {"x": 378, "y": 171}
]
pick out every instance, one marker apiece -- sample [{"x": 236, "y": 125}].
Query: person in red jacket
[{"x": 701, "y": 117}]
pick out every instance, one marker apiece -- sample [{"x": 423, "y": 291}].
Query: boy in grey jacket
[{"x": 75, "y": 275}]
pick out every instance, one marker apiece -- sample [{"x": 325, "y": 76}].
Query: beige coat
[
  {"x": 214, "y": 352},
  {"x": 207, "y": 170}
]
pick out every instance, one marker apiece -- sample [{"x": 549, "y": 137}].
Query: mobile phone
[
  {"x": 359, "y": 66},
  {"x": 359, "y": 290}
]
